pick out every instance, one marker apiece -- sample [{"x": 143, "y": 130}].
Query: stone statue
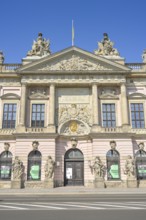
[
  {"x": 49, "y": 168},
  {"x": 40, "y": 47},
  {"x": 130, "y": 167},
  {"x": 98, "y": 168},
  {"x": 105, "y": 47},
  {"x": 17, "y": 169},
  {"x": 6, "y": 146},
  {"x": 1, "y": 57},
  {"x": 35, "y": 145},
  {"x": 144, "y": 56}
]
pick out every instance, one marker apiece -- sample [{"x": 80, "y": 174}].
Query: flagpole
[{"x": 72, "y": 33}]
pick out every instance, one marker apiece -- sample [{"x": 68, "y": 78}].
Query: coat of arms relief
[{"x": 74, "y": 119}]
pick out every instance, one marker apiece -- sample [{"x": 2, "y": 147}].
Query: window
[
  {"x": 37, "y": 115},
  {"x": 34, "y": 165},
  {"x": 5, "y": 165},
  {"x": 140, "y": 157},
  {"x": 113, "y": 165},
  {"x": 9, "y": 116},
  {"x": 108, "y": 115},
  {"x": 137, "y": 115}
]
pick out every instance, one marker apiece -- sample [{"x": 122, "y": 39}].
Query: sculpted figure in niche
[
  {"x": 98, "y": 168},
  {"x": 130, "y": 167},
  {"x": 17, "y": 169},
  {"x": 49, "y": 168}
]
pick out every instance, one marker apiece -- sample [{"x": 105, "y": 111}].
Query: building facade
[{"x": 73, "y": 118}]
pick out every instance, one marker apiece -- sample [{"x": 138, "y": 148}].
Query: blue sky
[{"x": 123, "y": 20}]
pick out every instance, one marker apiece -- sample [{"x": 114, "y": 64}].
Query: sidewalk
[{"x": 72, "y": 190}]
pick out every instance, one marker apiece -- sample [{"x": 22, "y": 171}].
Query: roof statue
[
  {"x": 105, "y": 47},
  {"x": 144, "y": 56},
  {"x": 40, "y": 47},
  {"x": 1, "y": 57}
]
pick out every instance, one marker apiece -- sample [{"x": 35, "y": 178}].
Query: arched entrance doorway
[{"x": 74, "y": 168}]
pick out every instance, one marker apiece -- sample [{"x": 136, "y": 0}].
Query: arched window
[
  {"x": 34, "y": 165},
  {"x": 5, "y": 165},
  {"x": 140, "y": 157},
  {"x": 113, "y": 165},
  {"x": 74, "y": 154}
]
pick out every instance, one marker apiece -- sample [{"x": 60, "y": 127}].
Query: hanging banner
[
  {"x": 34, "y": 172},
  {"x": 5, "y": 171},
  {"x": 142, "y": 170},
  {"x": 114, "y": 171}
]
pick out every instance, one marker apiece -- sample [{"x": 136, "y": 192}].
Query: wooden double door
[{"x": 74, "y": 173}]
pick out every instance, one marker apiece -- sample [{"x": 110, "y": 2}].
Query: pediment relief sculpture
[
  {"x": 10, "y": 96},
  {"x": 75, "y": 111},
  {"x": 38, "y": 93},
  {"x": 74, "y": 63},
  {"x": 74, "y": 127},
  {"x": 109, "y": 93},
  {"x": 137, "y": 95}
]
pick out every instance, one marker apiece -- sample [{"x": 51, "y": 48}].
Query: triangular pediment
[{"x": 72, "y": 59}]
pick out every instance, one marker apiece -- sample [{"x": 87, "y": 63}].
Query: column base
[
  {"x": 49, "y": 183},
  {"x": 99, "y": 183},
  {"x": 16, "y": 184}
]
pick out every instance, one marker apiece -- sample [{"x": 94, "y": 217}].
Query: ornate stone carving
[
  {"x": 74, "y": 63},
  {"x": 105, "y": 47},
  {"x": 97, "y": 168},
  {"x": 6, "y": 146},
  {"x": 17, "y": 169},
  {"x": 74, "y": 142},
  {"x": 35, "y": 145},
  {"x": 49, "y": 168},
  {"x": 130, "y": 167},
  {"x": 75, "y": 111},
  {"x": 38, "y": 93},
  {"x": 109, "y": 93},
  {"x": 37, "y": 90},
  {"x": 74, "y": 127},
  {"x": 113, "y": 145},
  {"x": 40, "y": 47}
]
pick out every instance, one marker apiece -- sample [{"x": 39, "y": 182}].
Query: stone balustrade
[
  {"x": 136, "y": 66},
  {"x": 9, "y": 67}
]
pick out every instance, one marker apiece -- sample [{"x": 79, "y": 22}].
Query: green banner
[
  {"x": 34, "y": 172},
  {"x": 5, "y": 171},
  {"x": 142, "y": 169},
  {"x": 114, "y": 171}
]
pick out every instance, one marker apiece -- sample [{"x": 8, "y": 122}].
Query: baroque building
[{"x": 72, "y": 118}]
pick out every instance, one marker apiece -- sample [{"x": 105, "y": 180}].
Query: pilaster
[
  {"x": 95, "y": 113},
  {"x": 21, "y": 125},
  {"x": 51, "y": 124},
  {"x": 124, "y": 106}
]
